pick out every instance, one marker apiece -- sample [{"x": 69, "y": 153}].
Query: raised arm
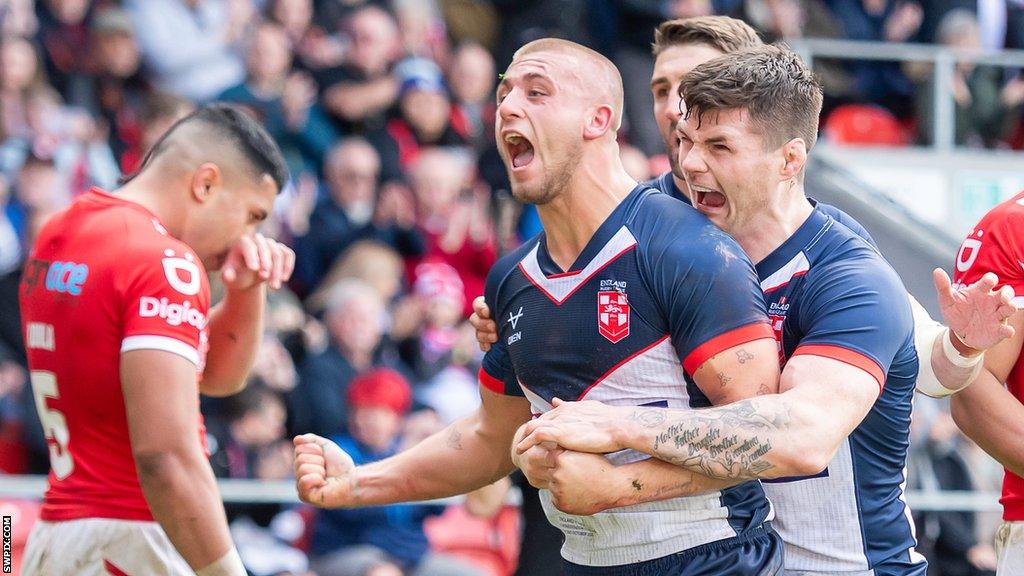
[
  {"x": 236, "y": 324},
  {"x": 470, "y": 453}
]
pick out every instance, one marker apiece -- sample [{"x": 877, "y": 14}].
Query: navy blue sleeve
[
  {"x": 496, "y": 372},
  {"x": 848, "y": 221},
  {"x": 856, "y": 311},
  {"x": 706, "y": 285}
]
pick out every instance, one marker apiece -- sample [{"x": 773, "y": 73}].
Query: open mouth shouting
[
  {"x": 519, "y": 149},
  {"x": 706, "y": 199}
]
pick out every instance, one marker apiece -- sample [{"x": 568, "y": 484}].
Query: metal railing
[
  {"x": 262, "y": 492},
  {"x": 943, "y": 59}
]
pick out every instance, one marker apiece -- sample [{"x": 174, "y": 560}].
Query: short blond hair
[{"x": 607, "y": 78}]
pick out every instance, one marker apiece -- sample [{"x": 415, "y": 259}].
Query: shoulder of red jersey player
[{"x": 994, "y": 244}]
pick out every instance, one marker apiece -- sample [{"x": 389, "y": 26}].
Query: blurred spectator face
[
  {"x": 441, "y": 289},
  {"x": 472, "y": 76},
  {"x": 373, "y": 40},
  {"x": 263, "y": 424},
  {"x": 437, "y": 178},
  {"x": 20, "y": 19},
  {"x": 352, "y": 169},
  {"x": 270, "y": 55},
  {"x": 355, "y": 318},
  {"x": 68, "y": 11},
  {"x": 635, "y": 163},
  {"x": 39, "y": 186},
  {"x": 671, "y": 65},
  {"x": 118, "y": 54},
  {"x": 427, "y": 110},
  {"x": 374, "y": 426},
  {"x": 295, "y": 15},
  {"x": 20, "y": 65},
  {"x": 275, "y": 461}
]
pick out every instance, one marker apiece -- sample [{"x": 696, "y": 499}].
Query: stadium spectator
[
  {"x": 314, "y": 47},
  {"x": 349, "y": 542},
  {"x": 360, "y": 91},
  {"x": 472, "y": 79},
  {"x": 350, "y": 211},
  {"x": 985, "y": 105},
  {"x": 119, "y": 89},
  {"x": 425, "y": 117},
  {"x": 284, "y": 101},
  {"x": 192, "y": 47},
  {"x": 65, "y": 40},
  {"x": 454, "y": 221},
  {"x": 255, "y": 422},
  {"x": 355, "y": 318}
]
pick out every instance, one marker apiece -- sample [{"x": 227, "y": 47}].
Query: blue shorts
[{"x": 758, "y": 552}]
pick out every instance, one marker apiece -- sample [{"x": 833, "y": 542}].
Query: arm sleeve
[
  {"x": 856, "y": 312},
  {"x": 994, "y": 246},
  {"x": 710, "y": 294},
  {"x": 165, "y": 299},
  {"x": 496, "y": 372}
]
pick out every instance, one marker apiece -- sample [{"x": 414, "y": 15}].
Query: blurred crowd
[{"x": 397, "y": 207}]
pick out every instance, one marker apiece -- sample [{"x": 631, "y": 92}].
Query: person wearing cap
[{"x": 353, "y": 542}]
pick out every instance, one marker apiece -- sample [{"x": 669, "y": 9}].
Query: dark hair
[
  {"x": 779, "y": 92},
  {"x": 256, "y": 396},
  {"x": 720, "y": 32},
  {"x": 239, "y": 129}
]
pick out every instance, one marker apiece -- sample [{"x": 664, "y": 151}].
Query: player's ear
[
  {"x": 205, "y": 179},
  {"x": 599, "y": 122},
  {"x": 794, "y": 155}
]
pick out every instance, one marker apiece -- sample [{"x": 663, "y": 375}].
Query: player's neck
[
  {"x": 571, "y": 219},
  {"x": 154, "y": 197},
  {"x": 773, "y": 226}
]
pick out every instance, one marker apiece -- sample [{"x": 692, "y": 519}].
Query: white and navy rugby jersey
[
  {"x": 831, "y": 294},
  {"x": 656, "y": 292}
]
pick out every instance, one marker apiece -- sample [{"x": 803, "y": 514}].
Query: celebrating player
[
  {"x": 607, "y": 304},
  {"x": 989, "y": 412},
  {"x": 835, "y": 439},
  {"x": 120, "y": 339}
]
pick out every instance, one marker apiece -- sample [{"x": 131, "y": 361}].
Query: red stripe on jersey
[
  {"x": 114, "y": 570},
  {"x": 490, "y": 382},
  {"x": 846, "y": 356},
  {"x": 734, "y": 337}
]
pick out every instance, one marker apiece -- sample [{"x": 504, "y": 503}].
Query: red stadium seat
[{"x": 863, "y": 125}]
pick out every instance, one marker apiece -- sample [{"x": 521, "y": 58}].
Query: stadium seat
[{"x": 863, "y": 125}]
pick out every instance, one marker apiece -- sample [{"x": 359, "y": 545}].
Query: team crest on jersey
[
  {"x": 613, "y": 310},
  {"x": 777, "y": 316}
]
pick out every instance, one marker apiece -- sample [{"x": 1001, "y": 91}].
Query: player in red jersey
[
  {"x": 990, "y": 413},
  {"x": 121, "y": 339}
]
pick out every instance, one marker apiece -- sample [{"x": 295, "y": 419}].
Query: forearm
[
  {"x": 182, "y": 494},
  {"x": 943, "y": 372},
  {"x": 652, "y": 480},
  {"x": 990, "y": 416},
  {"x": 765, "y": 437},
  {"x": 461, "y": 458},
  {"x": 236, "y": 327}
]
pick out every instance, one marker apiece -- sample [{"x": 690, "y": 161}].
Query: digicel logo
[{"x": 175, "y": 314}]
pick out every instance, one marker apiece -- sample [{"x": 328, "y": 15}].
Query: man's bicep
[
  {"x": 1001, "y": 358},
  {"x": 161, "y": 399},
  {"x": 741, "y": 371},
  {"x": 841, "y": 393}
]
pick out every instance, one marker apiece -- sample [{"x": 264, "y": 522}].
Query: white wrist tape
[
  {"x": 953, "y": 355},
  {"x": 229, "y": 564}
]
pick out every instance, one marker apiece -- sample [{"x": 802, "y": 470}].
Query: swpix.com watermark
[{"x": 7, "y": 545}]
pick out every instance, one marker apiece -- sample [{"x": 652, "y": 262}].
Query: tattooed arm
[
  {"x": 794, "y": 433},
  {"x": 469, "y": 454}
]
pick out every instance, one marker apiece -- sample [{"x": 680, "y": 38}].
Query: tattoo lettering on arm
[
  {"x": 727, "y": 442},
  {"x": 723, "y": 379}
]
